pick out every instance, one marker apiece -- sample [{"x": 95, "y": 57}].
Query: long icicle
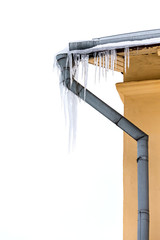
[
  {"x": 76, "y": 58},
  {"x": 95, "y": 64},
  {"x": 112, "y": 61},
  {"x": 85, "y": 74},
  {"x": 100, "y": 61},
  {"x": 103, "y": 67},
  {"x": 74, "y": 65},
  {"x": 72, "y": 118},
  {"x": 108, "y": 60},
  {"x": 82, "y": 61},
  {"x": 106, "y": 64},
  {"x": 70, "y": 66},
  {"x": 126, "y": 58},
  {"x": 115, "y": 58}
]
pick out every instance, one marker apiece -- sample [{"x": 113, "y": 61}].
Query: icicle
[
  {"x": 85, "y": 74},
  {"x": 69, "y": 103},
  {"x": 63, "y": 90},
  {"x": 115, "y": 58},
  {"x": 126, "y": 57},
  {"x": 100, "y": 62},
  {"x": 75, "y": 73},
  {"x": 112, "y": 61},
  {"x": 67, "y": 61},
  {"x": 64, "y": 102},
  {"x": 106, "y": 63},
  {"x": 95, "y": 64},
  {"x": 72, "y": 117},
  {"x": 82, "y": 61},
  {"x": 74, "y": 65},
  {"x": 55, "y": 67},
  {"x": 95, "y": 59},
  {"x": 96, "y": 56},
  {"x": 78, "y": 60},
  {"x": 70, "y": 67},
  {"x": 103, "y": 67},
  {"x": 108, "y": 60}
]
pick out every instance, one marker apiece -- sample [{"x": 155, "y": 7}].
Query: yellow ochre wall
[{"x": 142, "y": 107}]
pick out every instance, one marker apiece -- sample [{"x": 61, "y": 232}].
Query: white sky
[{"x": 44, "y": 192}]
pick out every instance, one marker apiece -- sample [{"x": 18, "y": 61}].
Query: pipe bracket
[
  {"x": 143, "y": 211},
  {"x": 142, "y": 158}
]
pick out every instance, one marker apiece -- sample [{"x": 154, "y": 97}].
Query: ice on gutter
[
  {"x": 118, "y": 45},
  {"x": 130, "y": 37},
  {"x": 103, "y": 55}
]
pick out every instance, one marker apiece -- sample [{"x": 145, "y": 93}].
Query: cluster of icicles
[{"x": 103, "y": 62}]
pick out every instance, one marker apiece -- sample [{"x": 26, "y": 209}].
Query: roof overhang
[
  {"x": 139, "y": 43},
  {"x": 118, "y": 41}
]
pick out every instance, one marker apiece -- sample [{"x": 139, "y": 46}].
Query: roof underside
[
  {"x": 133, "y": 52},
  {"x": 139, "y": 44}
]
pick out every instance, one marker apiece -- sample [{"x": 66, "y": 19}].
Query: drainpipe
[
  {"x": 130, "y": 129},
  {"x": 143, "y": 189}
]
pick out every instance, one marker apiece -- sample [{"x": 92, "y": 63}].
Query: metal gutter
[
  {"x": 130, "y": 129},
  {"x": 134, "y": 36}
]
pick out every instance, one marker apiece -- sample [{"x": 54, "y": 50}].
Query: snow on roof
[{"x": 118, "y": 45}]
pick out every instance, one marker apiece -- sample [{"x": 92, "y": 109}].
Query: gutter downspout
[{"x": 130, "y": 129}]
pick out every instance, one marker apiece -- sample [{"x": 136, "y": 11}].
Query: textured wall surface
[{"x": 142, "y": 107}]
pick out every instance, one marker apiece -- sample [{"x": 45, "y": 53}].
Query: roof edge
[{"x": 133, "y": 36}]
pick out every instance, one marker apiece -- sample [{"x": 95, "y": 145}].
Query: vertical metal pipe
[{"x": 143, "y": 190}]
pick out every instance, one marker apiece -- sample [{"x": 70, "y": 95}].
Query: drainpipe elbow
[{"x": 62, "y": 60}]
